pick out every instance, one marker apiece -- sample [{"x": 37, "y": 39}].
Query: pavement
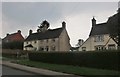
[
  {"x": 11, "y": 71},
  {"x": 32, "y": 69},
  {"x": 37, "y": 71}
]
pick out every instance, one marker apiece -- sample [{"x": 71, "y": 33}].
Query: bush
[
  {"x": 12, "y": 45},
  {"x": 14, "y": 54},
  {"x": 104, "y": 60}
]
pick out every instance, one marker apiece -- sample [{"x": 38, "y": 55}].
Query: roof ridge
[
  {"x": 101, "y": 23},
  {"x": 48, "y": 30},
  {"x": 55, "y": 28},
  {"x": 51, "y": 33}
]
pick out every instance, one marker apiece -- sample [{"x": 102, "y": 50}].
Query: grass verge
[{"x": 68, "y": 68}]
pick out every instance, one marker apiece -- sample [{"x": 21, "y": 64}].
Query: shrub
[
  {"x": 104, "y": 60},
  {"x": 14, "y": 54},
  {"x": 12, "y": 45}
]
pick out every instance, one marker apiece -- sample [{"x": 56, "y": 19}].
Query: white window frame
[
  {"x": 111, "y": 47},
  {"x": 99, "y": 38},
  {"x": 83, "y": 48}
]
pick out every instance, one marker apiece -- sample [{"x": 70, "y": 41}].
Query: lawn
[{"x": 69, "y": 68}]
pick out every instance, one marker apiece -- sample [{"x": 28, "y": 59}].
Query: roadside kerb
[{"x": 32, "y": 69}]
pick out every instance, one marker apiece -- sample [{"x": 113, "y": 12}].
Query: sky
[{"x": 77, "y": 15}]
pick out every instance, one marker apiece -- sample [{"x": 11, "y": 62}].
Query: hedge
[
  {"x": 98, "y": 59},
  {"x": 13, "y": 53},
  {"x": 12, "y": 45}
]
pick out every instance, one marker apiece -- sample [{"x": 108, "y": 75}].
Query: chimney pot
[
  {"x": 63, "y": 24},
  {"x": 19, "y": 31},
  {"x": 7, "y": 34},
  {"x": 93, "y": 22},
  {"x": 30, "y": 32}
]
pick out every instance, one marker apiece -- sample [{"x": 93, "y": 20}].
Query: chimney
[
  {"x": 63, "y": 24},
  {"x": 93, "y": 22},
  {"x": 7, "y": 34},
  {"x": 30, "y": 32},
  {"x": 19, "y": 31},
  {"x": 80, "y": 41}
]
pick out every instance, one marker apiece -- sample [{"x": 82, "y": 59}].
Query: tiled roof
[
  {"x": 102, "y": 28},
  {"x": 50, "y": 33},
  {"x": 114, "y": 20},
  {"x": 99, "y": 29},
  {"x": 14, "y": 37}
]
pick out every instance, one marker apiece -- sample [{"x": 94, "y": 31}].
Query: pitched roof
[
  {"x": 99, "y": 29},
  {"x": 50, "y": 33},
  {"x": 14, "y": 37},
  {"x": 113, "y": 22}
]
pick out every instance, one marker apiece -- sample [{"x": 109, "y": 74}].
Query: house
[
  {"x": 74, "y": 49},
  {"x": 13, "y": 41},
  {"x": 48, "y": 39},
  {"x": 13, "y": 37},
  {"x": 80, "y": 42},
  {"x": 99, "y": 38}
]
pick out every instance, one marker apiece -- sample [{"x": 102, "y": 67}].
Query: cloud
[
  {"x": 32, "y": 12},
  {"x": 28, "y": 15},
  {"x": 0, "y": 19}
]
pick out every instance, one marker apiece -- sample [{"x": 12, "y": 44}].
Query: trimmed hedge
[
  {"x": 13, "y": 53},
  {"x": 12, "y": 45},
  {"x": 98, "y": 59}
]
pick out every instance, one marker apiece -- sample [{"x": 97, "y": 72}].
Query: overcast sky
[{"x": 77, "y": 15}]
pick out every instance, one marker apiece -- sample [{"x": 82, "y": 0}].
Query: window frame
[
  {"x": 53, "y": 48},
  {"x": 99, "y": 38},
  {"x": 35, "y": 41},
  {"x": 111, "y": 47},
  {"x": 83, "y": 48},
  {"x": 53, "y": 40}
]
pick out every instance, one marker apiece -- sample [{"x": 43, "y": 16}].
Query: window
[
  {"x": 53, "y": 40},
  {"x": 47, "y": 40},
  {"x": 53, "y": 48},
  {"x": 99, "y": 48},
  {"x": 47, "y": 48},
  {"x": 34, "y": 41},
  {"x": 99, "y": 38},
  {"x": 83, "y": 48},
  {"x": 111, "y": 46},
  {"x": 41, "y": 48},
  {"x": 26, "y": 42},
  {"x": 41, "y": 41}
]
